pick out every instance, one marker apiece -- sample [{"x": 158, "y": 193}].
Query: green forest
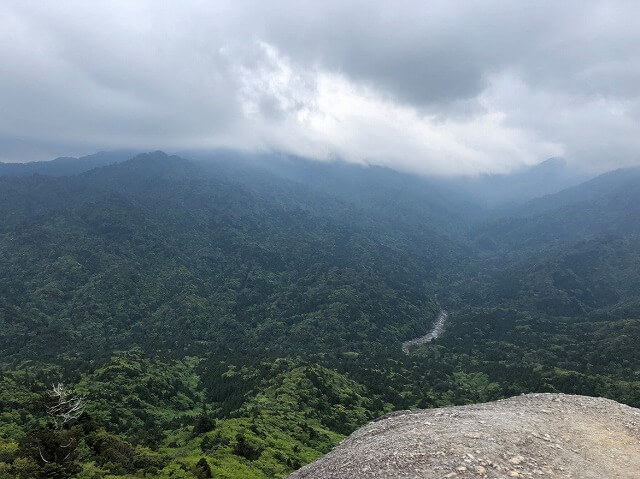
[{"x": 237, "y": 319}]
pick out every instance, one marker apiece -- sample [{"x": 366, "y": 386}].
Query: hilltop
[{"x": 534, "y": 435}]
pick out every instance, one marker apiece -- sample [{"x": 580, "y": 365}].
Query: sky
[{"x": 433, "y": 87}]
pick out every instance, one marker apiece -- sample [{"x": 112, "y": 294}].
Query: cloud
[
  {"x": 432, "y": 87},
  {"x": 330, "y": 115}
]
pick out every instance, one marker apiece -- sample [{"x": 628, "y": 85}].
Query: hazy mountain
[
  {"x": 607, "y": 205},
  {"x": 398, "y": 197},
  {"x": 501, "y": 190},
  {"x": 447, "y": 202},
  {"x": 66, "y": 165},
  {"x": 603, "y": 185}
]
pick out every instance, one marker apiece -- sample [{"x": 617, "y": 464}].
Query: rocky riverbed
[{"x": 433, "y": 333}]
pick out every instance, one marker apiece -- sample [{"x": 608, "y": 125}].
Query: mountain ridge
[{"x": 66, "y": 165}]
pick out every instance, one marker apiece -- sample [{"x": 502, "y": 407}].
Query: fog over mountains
[
  {"x": 547, "y": 177},
  {"x": 233, "y": 233},
  {"x": 443, "y": 87}
]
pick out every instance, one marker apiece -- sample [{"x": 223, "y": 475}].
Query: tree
[
  {"x": 203, "y": 424},
  {"x": 64, "y": 405},
  {"x": 202, "y": 469},
  {"x": 52, "y": 451}
]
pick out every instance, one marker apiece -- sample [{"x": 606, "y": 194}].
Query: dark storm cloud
[
  {"x": 421, "y": 52},
  {"x": 442, "y": 86}
]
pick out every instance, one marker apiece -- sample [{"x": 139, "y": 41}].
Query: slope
[
  {"x": 165, "y": 254},
  {"x": 596, "y": 209}
]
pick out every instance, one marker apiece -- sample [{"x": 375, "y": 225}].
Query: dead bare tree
[{"x": 65, "y": 405}]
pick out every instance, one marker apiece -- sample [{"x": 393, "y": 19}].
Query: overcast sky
[{"x": 426, "y": 86}]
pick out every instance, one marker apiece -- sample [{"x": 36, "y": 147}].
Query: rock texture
[{"x": 534, "y": 435}]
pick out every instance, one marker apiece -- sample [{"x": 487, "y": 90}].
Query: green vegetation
[{"x": 226, "y": 322}]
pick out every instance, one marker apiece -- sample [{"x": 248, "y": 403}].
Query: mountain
[
  {"x": 538, "y": 434},
  {"x": 603, "y": 185},
  {"x": 398, "y": 197},
  {"x": 503, "y": 190},
  {"x": 131, "y": 254},
  {"x": 237, "y": 316},
  {"x": 606, "y": 205},
  {"x": 66, "y": 165}
]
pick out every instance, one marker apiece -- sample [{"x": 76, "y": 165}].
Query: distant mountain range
[
  {"x": 343, "y": 178},
  {"x": 236, "y": 315},
  {"x": 66, "y": 165},
  {"x": 548, "y": 177}
]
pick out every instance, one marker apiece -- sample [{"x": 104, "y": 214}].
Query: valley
[{"x": 221, "y": 313}]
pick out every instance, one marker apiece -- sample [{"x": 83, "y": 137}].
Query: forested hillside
[{"x": 236, "y": 319}]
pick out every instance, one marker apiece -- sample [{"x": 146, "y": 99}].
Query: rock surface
[{"x": 534, "y": 435}]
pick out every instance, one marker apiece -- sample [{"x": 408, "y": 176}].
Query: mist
[{"x": 444, "y": 88}]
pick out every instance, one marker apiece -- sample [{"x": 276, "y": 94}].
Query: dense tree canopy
[{"x": 236, "y": 320}]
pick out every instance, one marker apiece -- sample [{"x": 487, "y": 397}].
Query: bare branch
[
  {"x": 66, "y": 407},
  {"x": 41, "y": 456}
]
